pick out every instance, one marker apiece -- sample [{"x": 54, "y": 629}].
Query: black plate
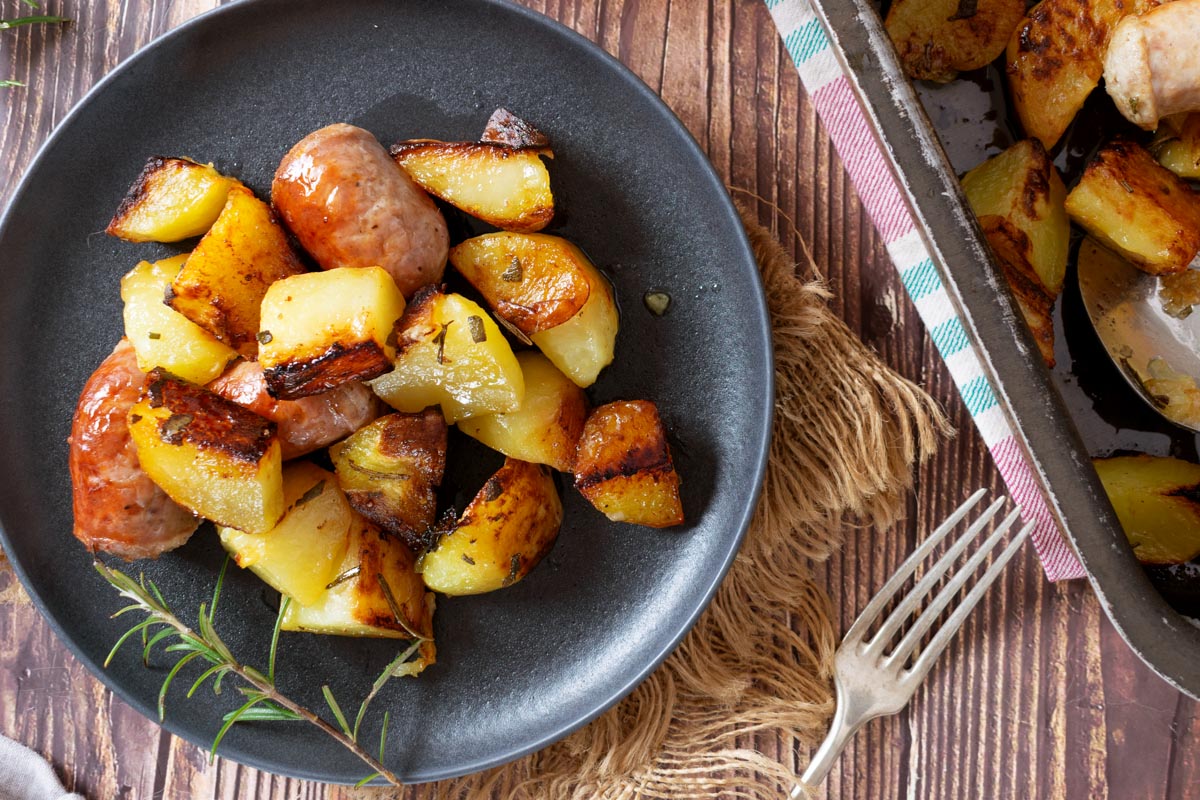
[{"x": 519, "y": 668}]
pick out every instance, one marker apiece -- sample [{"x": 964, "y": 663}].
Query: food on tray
[
  {"x": 936, "y": 39},
  {"x": 450, "y": 353},
  {"x": 504, "y": 532},
  {"x": 342, "y": 196},
  {"x": 222, "y": 283},
  {"x": 1056, "y": 57},
  {"x": 624, "y": 465},
  {"x": 303, "y": 425},
  {"x": 1176, "y": 394},
  {"x": 214, "y": 457},
  {"x": 1139, "y": 208},
  {"x": 1157, "y": 501},
  {"x": 160, "y": 335},
  {"x": 321, "y": 330},
  {"x": 118, "y": 508},
  {"x": 172, "y": 199},
  {"x": 390, "y": 471},
  {"x": 1019, "y": 197},
  {"x": 1179, "y": 292},
  {"x": 238, "y": 359},
  {"x": 505, "y": 186},
  {"x": 1150, "y": 68},
  {"x": 545, "y": 429},
  {"x": 1176, "y": 145}
]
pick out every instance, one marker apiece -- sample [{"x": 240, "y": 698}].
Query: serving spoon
[{"x": 1123, "y": 305}]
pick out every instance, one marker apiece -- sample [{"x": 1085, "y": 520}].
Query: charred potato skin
[
  {"x": 1137, "y": 207},
  {"x": 506, "y": 128},
  {"x": 1010, "y": 245},
  {"x": 165, "y": 174},
  {"x": 624, "y": 466},
  {"x": 390, "y": 471},
  {"x": 935, "y": 42}
]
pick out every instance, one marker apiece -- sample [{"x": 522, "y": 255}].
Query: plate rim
[{"x": 230, "y": 750}]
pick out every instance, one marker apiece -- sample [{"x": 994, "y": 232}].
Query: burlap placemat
[{"x": 847, "y": 433}]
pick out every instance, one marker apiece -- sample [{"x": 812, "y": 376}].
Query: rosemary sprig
[
  {"x": 37, "y": 19},
  {"x": 263, "y": 701}
]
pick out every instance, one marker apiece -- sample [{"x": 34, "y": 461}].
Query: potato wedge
[
  {"x": 357, "y": 603},
  {"x": 1157, "y": 501},
  {"x": 506, "y": 128},
  {"x": 160, "y": 335},
  {"x": 450, "y": 353},
  {"x": 390, "y": 471},
  {"x": 301, "y": 554},
  {"x": 323, "y": 329},
  {"x": 501, "y": 535},
  {"x": 585, "y": 344},
  {"x": 221, "y": 286},
  {"x": 1056, "y": 57},
  {"x": 534, "y": 281},
  {"x": 1011, "y": 248},
  {"x": 1022, "y": 187},
  {"x": 1139, "y": 208},
  {"x": 217, "y": 459},
  {"x": 1176, "y": 145},
  {"x": 547, "y": 426},
  {"x": 937, "y": 39},
  {"x": 507, "y": 187},
  {"x": 172, "y": 199}
]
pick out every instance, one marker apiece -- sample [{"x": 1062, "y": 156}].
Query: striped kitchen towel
[{"x": 869, "y": 171}]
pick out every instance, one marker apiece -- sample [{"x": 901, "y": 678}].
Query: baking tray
[{"x": 1045, "y": 413}]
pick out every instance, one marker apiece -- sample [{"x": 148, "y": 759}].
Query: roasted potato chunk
[
  {"x": 506, "y": 128},
  {"x": 547, "y": 426},
  {"x": 221, "y": 286},
  {"x": 161, "y": 336},
  {"x": 1137, "y": 207},
  {"x": 534, "y": 281},
  {"x": 217, "y": 459},
  {"x": 501, "y": 535},
  {"x": 508, "y": 187},
  {"x": 1157, "y": 501},
  {"x": 1056, "y": 57},
  {"x": 624, "y": 467},
  {"x": 323, "y": 329},
  {"x": 172, "y": 199},
  {"x": 936, "y": 39},
  {"x": 1010, "y": 246},
  {"x": 301, "y": 554},
  {"x": 450, "y": 353},
  {"x": 390, "y": 471},
  {"x": 583, "y": 345},
  {"x": 375, "y": 592},
  {"x": 1022, "y": 187},
  {"x": 1177, "y": 145}
]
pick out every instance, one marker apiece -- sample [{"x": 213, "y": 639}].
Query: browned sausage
[
  {"x": 351, "y": 206},
  {"x": 305, "y": 424},
  {"x": 118, "y": 509}
]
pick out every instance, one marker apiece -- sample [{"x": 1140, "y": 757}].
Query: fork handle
[{"x": 840, "y": 732}]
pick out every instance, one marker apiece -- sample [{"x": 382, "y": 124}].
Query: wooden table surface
[{"x": 1038, "y": 698}]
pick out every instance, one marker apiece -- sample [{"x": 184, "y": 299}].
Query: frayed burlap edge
[{"x": 847, "y": 433}]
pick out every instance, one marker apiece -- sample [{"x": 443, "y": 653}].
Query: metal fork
[{"x": 874, "y": 680}]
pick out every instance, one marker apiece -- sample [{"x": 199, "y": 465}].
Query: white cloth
[{"x": 24, "y": 775}]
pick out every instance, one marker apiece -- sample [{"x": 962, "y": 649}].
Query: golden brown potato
[
  {"x": 547, "y": 426},
  {"x": 1011, "y": 248},
  {"x": 221, "y": 286},
  {"x": 217, "y": 459},
  {"x": 534, "y": 281},
  {"x": 1177, "y": 145},
  {"x": 624, "y": 467},
  {"x": 1056, "y": 57},
  {"x": 172, "y": 199},
  {"x": 506, "y": 128},
  {"x": 301, "y": 554},
  {"x": 321, "y": 330},
  {"x": 1157, "y": 501},
  {"x": 450, "y": 353},
  {"x": 390, "y": 471},
  {"x": 1022, "y": 187},
  {"x": 507, "y": 187},
  {"x": 936, "y": 39},
  {"x": 501, "y": 535},
  {"x": 161, "y": 336},
  {"x": 375, "y": 592},
  {"x": 1139, "y": 208}
]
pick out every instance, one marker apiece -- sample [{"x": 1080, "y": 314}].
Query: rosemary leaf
[
  {"x": 367, "y": 780},
  {"x": 229, "y": 720},
  {"x": 267, "y": 711},
  {"x": 395, "y": 608},
  {"x": 215, "y": 669},
  {"x": 163, "y": 607},
  {"x": 388, "y": 672},
  {"x": 155, "y": 639},
  {"x": 255, "y": 674},
  {"x": 337, "y": 710},
  {"x": 162, "y": 693},
  {"x": 284, "y": 602},
  {"x": 125, "y": 637},
  {"x": 387, "y": 718},
  {"x": 40, "y": 19},
  {"x": 212, "y": 611},
  {"x": 127, "y": 609},
  {"x": 9, "y": 84}
]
